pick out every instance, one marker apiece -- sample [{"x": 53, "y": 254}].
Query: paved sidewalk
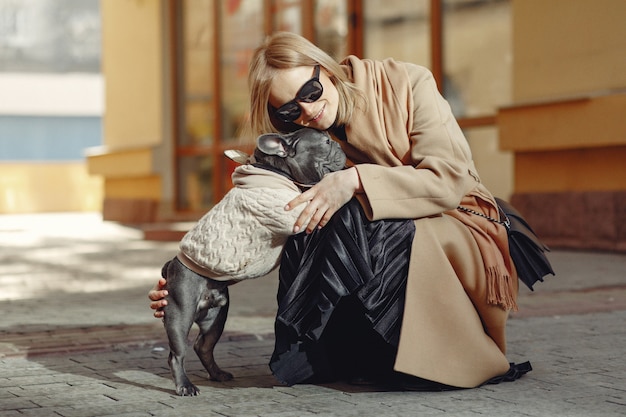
[{"x": 77, "y": 338}]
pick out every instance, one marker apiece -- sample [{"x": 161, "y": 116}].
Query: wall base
[
  {"x": 594, "y": 220},
  {"x": 130, "y": 211}
]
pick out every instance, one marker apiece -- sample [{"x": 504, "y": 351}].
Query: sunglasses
[{"x": 309, "y": 92}]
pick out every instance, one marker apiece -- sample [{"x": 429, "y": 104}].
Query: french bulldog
[{"x": 213, "y": 255}]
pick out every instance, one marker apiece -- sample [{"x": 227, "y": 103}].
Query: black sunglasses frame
[{"x": 291, "y": 111}]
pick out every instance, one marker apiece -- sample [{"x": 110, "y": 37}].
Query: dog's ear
[{"x": 272, "y": 144}]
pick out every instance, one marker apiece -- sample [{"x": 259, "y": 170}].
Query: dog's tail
[{"x": 164, "y": 269}]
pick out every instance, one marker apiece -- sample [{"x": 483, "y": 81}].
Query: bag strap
[{"x": 506, "y": 223}]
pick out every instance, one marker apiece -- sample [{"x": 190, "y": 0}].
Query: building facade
[
  {"x": 566, "y": 125},
  {"x": 514, "y": 71},
  {"x": 51, "y": 105}
]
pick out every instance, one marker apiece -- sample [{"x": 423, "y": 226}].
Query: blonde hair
[{"x": 285, "y": 50}]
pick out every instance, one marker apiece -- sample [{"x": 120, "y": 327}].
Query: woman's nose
[{"x": 307, "y": 109}]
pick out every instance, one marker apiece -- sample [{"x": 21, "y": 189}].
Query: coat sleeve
[{"x": 441, "y": 170}]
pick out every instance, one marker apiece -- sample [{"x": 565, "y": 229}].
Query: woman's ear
[{"x": 271, "y": 144}]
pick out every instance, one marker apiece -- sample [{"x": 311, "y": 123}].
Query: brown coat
[{"x": 450, "y": 333}]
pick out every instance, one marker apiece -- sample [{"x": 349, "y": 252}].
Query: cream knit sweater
[{"x": 243, "y": 235}]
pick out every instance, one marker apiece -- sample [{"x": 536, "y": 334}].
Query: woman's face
[{"x": 319, "y": 114}]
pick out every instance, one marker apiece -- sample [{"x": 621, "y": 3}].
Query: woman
[{"x": 409, "y": 160}]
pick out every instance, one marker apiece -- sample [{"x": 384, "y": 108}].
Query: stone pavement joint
[{"x": 64, "y": 340}]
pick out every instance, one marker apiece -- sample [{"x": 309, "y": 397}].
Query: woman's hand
[
  {"x": 157, "y": 295},
  {"x": 325, "y": 198}
]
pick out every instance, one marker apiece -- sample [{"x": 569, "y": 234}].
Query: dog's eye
[{"x": 327, "y": 141}]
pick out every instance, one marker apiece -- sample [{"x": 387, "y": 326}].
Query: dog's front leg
[
  {"x": 185, "y": 288},
  {"x": 211, "y": 327}
]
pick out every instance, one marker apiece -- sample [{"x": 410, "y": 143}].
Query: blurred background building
[
  {"x": 538, "y": 86},
  {"x": 51, "y": 104}
]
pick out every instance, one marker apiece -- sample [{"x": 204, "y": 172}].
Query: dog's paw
[
  {"x": 187, "y": 390},
  {"x": 221, "y": 376}
]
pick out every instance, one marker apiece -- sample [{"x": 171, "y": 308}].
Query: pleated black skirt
[{"x": 341, "y": 298}]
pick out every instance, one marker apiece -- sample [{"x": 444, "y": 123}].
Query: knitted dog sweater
[{"x": 243, "y": 235}]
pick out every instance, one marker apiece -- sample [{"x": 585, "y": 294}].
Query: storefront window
[
  {"x": 195, "y": 103},
  {"x": 287, "y": 16},
  {"x": 477, "y": 55},
  {"x": 197, "y": 93},
  {"x": 211, "y": 94},
  {"x": 466, "y": 43},
  {"x": 241, "y": 31},
  {"x": 476, "y": 48},
  {"x": 195, "y": 188},
  {"x": 398, "y": 29},
  {"x": 331, "y": 27}
]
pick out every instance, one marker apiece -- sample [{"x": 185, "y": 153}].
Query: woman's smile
[{"x": 317, "y": 117}]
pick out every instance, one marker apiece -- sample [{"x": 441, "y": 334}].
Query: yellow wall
[
  {"x": 567, "y": 128},
  {"x": 572, "y": 170},
  {"x": 568, "y": 47},
  {"x": 586, "y": 122},
  {"x": 567, "y": 146},
  {"x": 569, "y": 74},
  {"x": 132, "y": 64},
  {"x": 48, "y": 187},
  {"x": 133, "y": 41}
]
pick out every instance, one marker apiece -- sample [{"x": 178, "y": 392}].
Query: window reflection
[
  {"x": 397, "y": 29},
  {"x": 331, "y": 27},
  {"x": 241, "y": 26},
  {"x": 196, "y": 74},
  {"x": 287, "y": 16},
  {"x": 212, "y": 92},
  {"x": 215, "y": 41},
  {"x": 195, "y": 188},
  {"x": 477, "y": 55}
]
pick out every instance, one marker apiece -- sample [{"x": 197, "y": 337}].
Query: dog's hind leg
[{"x": 211, "y": 323}]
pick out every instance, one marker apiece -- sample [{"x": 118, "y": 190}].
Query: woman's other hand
[
  {"x": 325, "y": 198},
  {"x": 157, "y": 297}
]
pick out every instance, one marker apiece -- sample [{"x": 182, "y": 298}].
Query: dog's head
[{"x": 306, "y": 155}]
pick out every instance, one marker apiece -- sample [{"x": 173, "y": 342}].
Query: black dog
[{"x": 304, "y": 157}]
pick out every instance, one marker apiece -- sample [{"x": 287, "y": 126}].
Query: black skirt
[{"x": 341, "y": 298}]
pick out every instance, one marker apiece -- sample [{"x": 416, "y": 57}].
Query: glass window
[
  {"x": 212, "y": 92},
  {"x": 477, "y": 55},
  {"x": 398, "y": 29},
  {"x": 196, "y": 74},
  {"x": 331, "y": 27},
  {"x": 287, "y": 16},
  {"x": 195, "y": 183},
  {"x": 196, "y": 104},
  {"x": 216, "y": 40},
  {"x": 241, "y": 31}
]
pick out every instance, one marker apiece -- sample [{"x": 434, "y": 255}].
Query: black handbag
[{"x": 527, "y": 251}]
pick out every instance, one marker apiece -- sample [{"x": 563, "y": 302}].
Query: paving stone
[
  {"x": 78, "y": 339},
  {"x": 16, "y": 403}
]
